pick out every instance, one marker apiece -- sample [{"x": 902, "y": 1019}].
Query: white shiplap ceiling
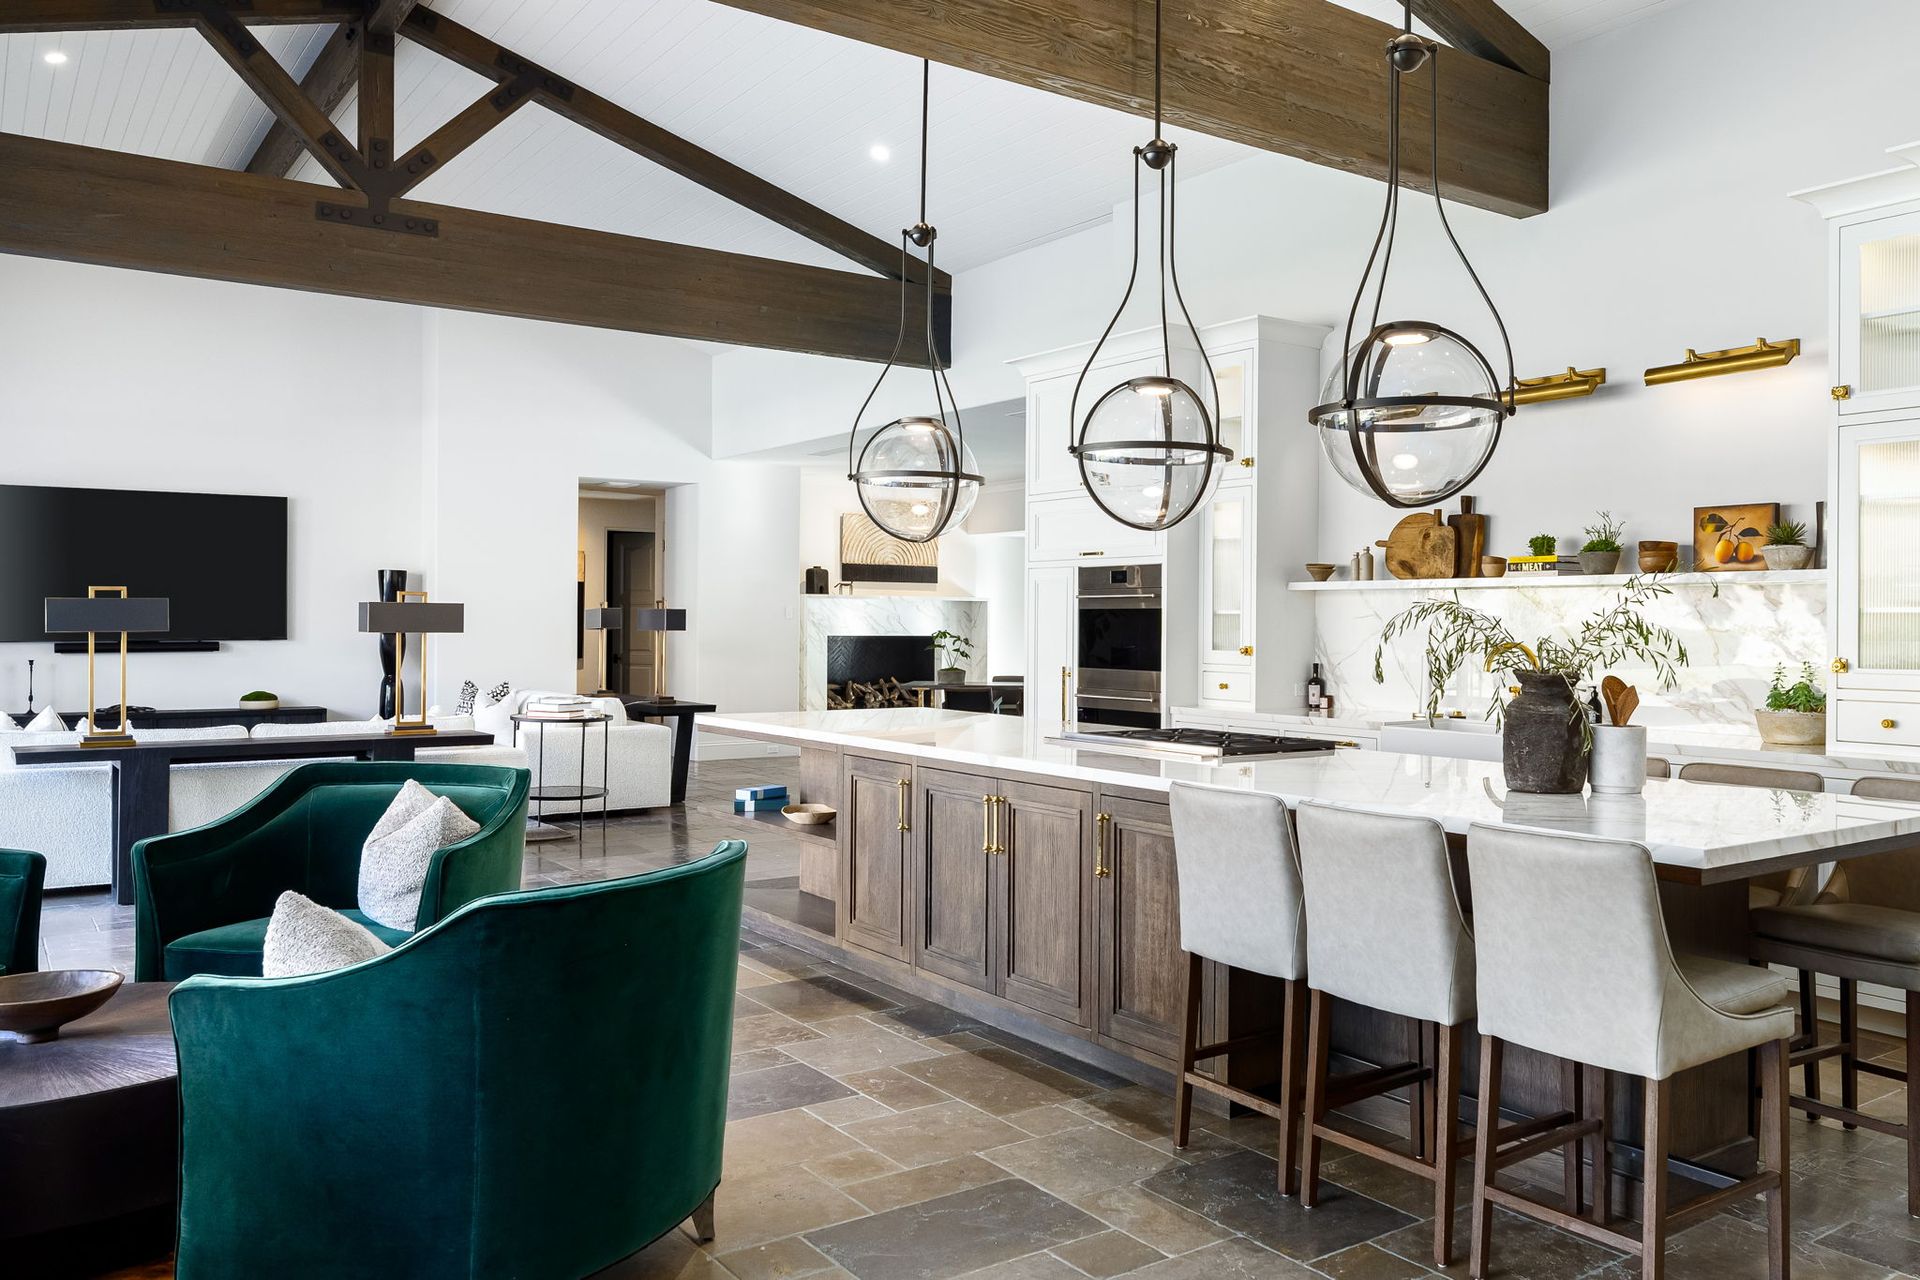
[
  {"x": 1554, "y": 23},
  {"x": 1013, "y": 166}
]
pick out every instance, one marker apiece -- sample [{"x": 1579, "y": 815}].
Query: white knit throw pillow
[
  {"x": 394, "y": 860},
  {"x": 305, "y": 937}
]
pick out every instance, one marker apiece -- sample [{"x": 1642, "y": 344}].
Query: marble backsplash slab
[
  {"x": 1734, "y": 640},
  {"x": 882, "y": 616}
]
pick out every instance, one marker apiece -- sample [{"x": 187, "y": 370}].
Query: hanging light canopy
[
  {"x": 1148, "y": 449},
  {"x": 1413, "y": 412},
  {"x": 915, "y": 476}
]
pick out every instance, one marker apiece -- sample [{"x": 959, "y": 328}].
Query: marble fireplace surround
[
  {"x": 882, "y": 616},
  {"x": 1733, "y": 640}
]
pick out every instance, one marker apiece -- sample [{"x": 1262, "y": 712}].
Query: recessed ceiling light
[
  {"x": 55, "y": 58},
  {"x": 879, "y": 153}
]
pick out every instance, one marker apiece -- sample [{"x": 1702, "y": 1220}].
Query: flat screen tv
[{"x": 220, "y": 558}]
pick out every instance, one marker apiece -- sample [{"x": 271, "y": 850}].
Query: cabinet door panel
[
  {"x": 873, "y": 908},
  {"x": 1141, "y": 966},
  {"x": 1876, "y": 564},
  {"x": 1044, "y": 877},
  {"x": 1879, "y": 314},
  {"x": 953, "y": 919},
  {"x": 1051, "y": 644}
]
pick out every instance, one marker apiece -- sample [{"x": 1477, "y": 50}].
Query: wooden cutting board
[{"x": 1421, "y": 546}]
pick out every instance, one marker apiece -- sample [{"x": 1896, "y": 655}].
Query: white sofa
[
  {"x": 66, "y": 811},
  {"x": 639, "y": 755}
]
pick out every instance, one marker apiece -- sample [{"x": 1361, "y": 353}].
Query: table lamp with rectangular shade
[
  {"x": 602, "y": 620},
  {"x": 107, "y": 609},
  {"x": 659, "y": 620},
  {"x": 410, "y": 614}
]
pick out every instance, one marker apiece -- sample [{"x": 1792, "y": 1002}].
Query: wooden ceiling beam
[
  {"x": 615, "y": 123},
  {"x": 289, "y": 103},
  {"x": 1305, "y": 78},
  {"x": 1485, "y": 30},
  {"x": 329, "y": 79},
  {"x": 467, "y": 127},
  {"x": 82, "y": 204},
  {"x": 126, "y": 15}
]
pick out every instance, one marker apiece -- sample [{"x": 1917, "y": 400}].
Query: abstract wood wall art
[
  {"x": 869, "y": 554},
  {"x": 1729, "y": 538}
]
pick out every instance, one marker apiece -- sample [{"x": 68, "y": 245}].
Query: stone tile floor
[{"x": 876, "y": 1136}]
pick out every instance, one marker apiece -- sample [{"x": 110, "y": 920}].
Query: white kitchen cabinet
[
  {"x": 1051, "y": 621},
  {"x": 1050, "y": 468},
  {"x": 1227, "y": 586},
  {"x": 1877, "y": 309},
  {"x": 1071, "y": 528},
  {"x": 1876, "y": 564}
]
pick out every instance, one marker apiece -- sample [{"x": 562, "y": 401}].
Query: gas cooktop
[{"x": 1205, "y": 744}]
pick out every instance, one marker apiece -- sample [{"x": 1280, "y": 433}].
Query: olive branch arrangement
[{"x": 1616, "y": 634}]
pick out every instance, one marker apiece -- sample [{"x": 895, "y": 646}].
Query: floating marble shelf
[{"x": 1522, "y": 581}]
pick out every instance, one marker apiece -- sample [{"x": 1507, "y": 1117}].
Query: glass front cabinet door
[
  {"x": 1227, "y": 579},
  {"x": 1877, "y": 356},
  {"x": 1877, "y": 570}
]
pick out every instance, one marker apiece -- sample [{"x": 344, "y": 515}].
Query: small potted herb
[
  {"x": 1542, "y": 544},
  {"x": 1601, "y": 551},
  {"x": 950, "y": 650},
  {"x": 1787, "y": 546},
  {"x": 1796, "y": 714},
  {"x": 259, "y": 700}
]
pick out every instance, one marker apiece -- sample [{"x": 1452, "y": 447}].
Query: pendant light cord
[{"x": 1156, "y": 68}]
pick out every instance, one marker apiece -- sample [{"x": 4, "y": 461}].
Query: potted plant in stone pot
[
  {"x": 1795, "y": 714},
  {"x": 950, "y": 651},
  {"x": 259, "y": 700},
  {"x": 1601, "y": 551},
  {"x": 1787, "y": 546},
  {"x": 1545, "y": 732}
]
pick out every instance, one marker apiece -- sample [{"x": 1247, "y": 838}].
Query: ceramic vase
[
  {"x": 391, "y": 583},
  {"x": 1792, "y": 728},
  {"x": 1599, "y": 562},
  {"x": 1619, "y": 765},
  {"x": 1544, "y": 743}
]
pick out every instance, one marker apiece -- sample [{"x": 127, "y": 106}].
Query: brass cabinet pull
[
  {"x": 1842, "y": 392},
  {"x": 1886, "y": 724},
  {"x": 1103, "y": 828},
  {"x": 1840, "y": 666},
  {"x": 1224, "y": 685},
  {"x": 1246, "y": 651},
  {"x": 986, "y": 824},
  {"x": 900, "y": 805},
  {"x": 1093, "y": 553},
  {"x": 1246, "y": 462},
  {"x": 999, "y": 811},
  {"x": 1065, "y": 674}
]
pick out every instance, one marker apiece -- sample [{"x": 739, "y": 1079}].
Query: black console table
[
  {"x": 682, "y": 714},
  {"x": 197, "y": 717},
  {"x": 142, "y": 773}
]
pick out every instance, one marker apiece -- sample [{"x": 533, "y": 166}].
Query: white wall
[{"x": 1675, "y": 141}]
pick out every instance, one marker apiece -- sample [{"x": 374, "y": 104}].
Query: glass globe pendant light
[
  {"x": 915, "y": 476},
  {"x": 1413, "y": 412},
  {"x": 1149, "y": 449}
]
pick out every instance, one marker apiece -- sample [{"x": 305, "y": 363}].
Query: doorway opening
[{"x": 622, "y": 568}]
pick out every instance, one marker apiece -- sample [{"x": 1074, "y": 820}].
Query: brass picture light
[{"x": 1709, "y": 364}]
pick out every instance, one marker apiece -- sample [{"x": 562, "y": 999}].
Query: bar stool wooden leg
[
  {"x": 1850, "y": 1037},
  {"x": 1653, "y": 1181},
  {"x": 1810, "y": 1030},
  {"x": 1446, "y": 1138},
  {"x": 1293, "y": 1055},
  {"x": 1913, "y": 1104},
  {"x": 1485, "y": 1132},
  {"x": 1189, "y": 1041},
  {"x": 1599, "y": 1106},
  {"x": 1570, "y": 1076},
  {"x": 1773, "y": 1152},
  {"x": 1316, "y": 1104}
]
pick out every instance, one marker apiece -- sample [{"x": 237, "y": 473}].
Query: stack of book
[
  {"x": 558, "y": 707},
  {"x": 760, "y": 799},
  {"x": 1532, "y": 564}
]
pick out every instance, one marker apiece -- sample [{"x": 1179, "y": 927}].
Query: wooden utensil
[
  {"x": 1622, "y": 699},
  {"x": 1470, "y": 540},
  {"x": 1420, "y": 546}
]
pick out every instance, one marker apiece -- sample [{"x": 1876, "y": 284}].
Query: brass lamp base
[
  {"x": 107, "y": 740},
  {"x": 411, "y": 730}
]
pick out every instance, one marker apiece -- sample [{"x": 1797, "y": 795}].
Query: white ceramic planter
[
  {"x": 1792, "y": 728},
  {"x": 1787, "y": 557},
  {"x": 1619, "y": 764},
  {"x": 260, "y": 704}
]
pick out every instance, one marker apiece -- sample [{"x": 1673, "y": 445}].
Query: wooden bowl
[
  {"x": 1320, "y": 572},
  {"x": 34, "y": 1006},
  {"x": 809, "y": 815},
  {"x": 1658, "y": 557},
  {"x": 1493, "y": 566}
]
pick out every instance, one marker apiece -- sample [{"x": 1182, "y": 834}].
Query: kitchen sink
[{"x": 1454, "y": 739}]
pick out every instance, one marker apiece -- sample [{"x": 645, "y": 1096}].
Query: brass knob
[
  {"x": 1223, "y": 684},
  {"x": 1246, "y": 651},
  {"x": 1839, "y": 666},
  {"x": 1246, "y": 462},
  {"x": 1842, "y": 392},
  {"x": 1886, "y": 724}
]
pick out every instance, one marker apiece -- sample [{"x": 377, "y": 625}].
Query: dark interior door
[{"x": 630, "y": 586}]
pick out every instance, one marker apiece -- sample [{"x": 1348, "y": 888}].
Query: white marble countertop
[{"x": 1697, "y": 833}]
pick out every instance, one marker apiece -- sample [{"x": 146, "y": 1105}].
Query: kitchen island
[{"x": 1032, "y": 884}]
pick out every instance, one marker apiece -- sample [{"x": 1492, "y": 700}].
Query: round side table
[{"x": 541, "y": 793}]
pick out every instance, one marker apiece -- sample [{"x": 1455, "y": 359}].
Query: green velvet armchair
[
  {"x": 202, "y": 898},
  {"x": 22, "y": 876},
  {"x": 535, "y": 1087}
]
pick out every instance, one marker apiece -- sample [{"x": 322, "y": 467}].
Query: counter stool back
[
  {"x": 1574, "y": 962},
  {"x": 1385, "y": 929},
  {"x": 1240, "y": 905}
]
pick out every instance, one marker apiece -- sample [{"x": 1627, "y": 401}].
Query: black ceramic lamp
[
  {"x": 107, "y": 609},
  {"x": 660, "y": 620},
  {"x": 410, "y": 614}
]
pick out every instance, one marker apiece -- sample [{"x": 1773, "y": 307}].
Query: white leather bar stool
[
  {"x": 1864, "y": 926},
  {"x": 1385, "y": 929},
  {"x": 1240, "y": 905},
  {"x": 1574, "y": 962}
]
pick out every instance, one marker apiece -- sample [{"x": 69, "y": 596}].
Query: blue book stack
[{"x": 759, "y": 799}]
